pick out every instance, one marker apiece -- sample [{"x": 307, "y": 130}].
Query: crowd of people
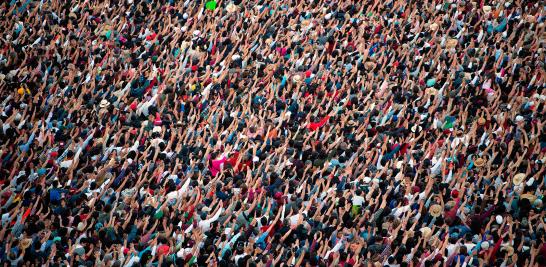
[{"x": 272, "y": 133}]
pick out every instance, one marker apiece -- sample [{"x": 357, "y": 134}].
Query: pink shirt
[{"x": 217, "y": 165}]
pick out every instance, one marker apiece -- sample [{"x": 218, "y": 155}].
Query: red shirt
[{"x": 315, "y": 125}]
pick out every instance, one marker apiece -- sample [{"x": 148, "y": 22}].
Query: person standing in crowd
[{"x": 272, "y": 133}]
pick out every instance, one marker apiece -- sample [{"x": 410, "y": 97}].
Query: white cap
[
  {"x": 81, "y": 226},
  {"x": 498, "y": 219}
]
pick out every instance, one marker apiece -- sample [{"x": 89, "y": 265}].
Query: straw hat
[
  {"x": 481, "y": 121},
  {"x": 479, "y": 162},
  {"x": 426, "y": 231},
  {"x": 25, "y": 243},
  {"x": 435, "y": 210},
  {"x": 369, "y": 65},
  {"x": 529, "y": 196},
  {"x": 431, "y": 91},
  {"x": 451, "y": 43},
  {"x": 518, "y": 178},
  {"x": 487, "y": 9},
  {"x": 531, "y": 19},
  {"x": 296, "y": 78},
  {"x": 99, "y": 140},
  {"x": 433, "y": 26},
  {"x": 104, "y": 103},
  {"x": 231, "y": 8}
]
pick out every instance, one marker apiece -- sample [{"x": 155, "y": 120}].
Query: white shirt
[
  {"x": 358, "y": 200},
  {"x": 205, "y": 224},
  {"x": 451, "y": 249},
  {"x": 178, "y": 193},
  {"x": 66, "y": 163}
]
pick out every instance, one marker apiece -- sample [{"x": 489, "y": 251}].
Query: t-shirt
[
  {"x": 66, "y": 163},
  {"x": 358, "y": 200}
]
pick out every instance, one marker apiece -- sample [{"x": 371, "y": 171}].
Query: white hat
[
  {"x": 104, "y": 103},
  {"x": 196, "y": 33},
  {"x": 287, "y": 114},
  {"x": 185, "y": 16},
  {"x": 426, "y": 231},
  {"x": 230, "y": 8},
  {"x": 498, "y": 219},
  {"x": 296, "y": 78},
  {"x": 328, "y": 16},
  {"x": 156, "y": 129},
  {"x": 485, "y": 245},
  {"x": 80, "y": 226},
  {"x": 519, "y": 118},
  {"x": 416, "y": 128}
]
